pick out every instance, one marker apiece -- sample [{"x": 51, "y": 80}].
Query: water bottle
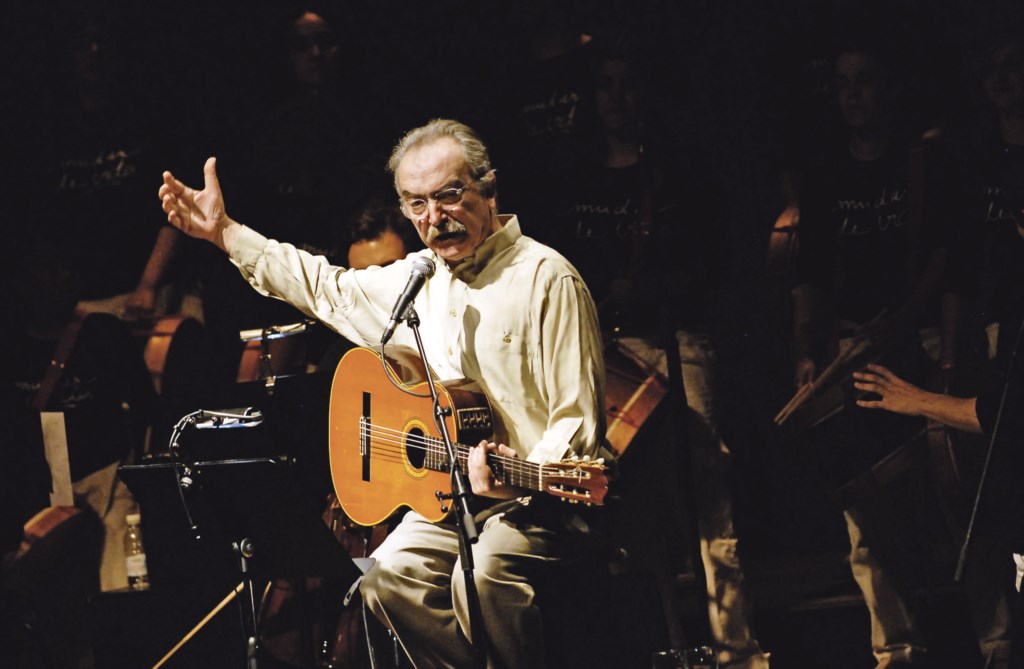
[{"x": 135, "y": 554}]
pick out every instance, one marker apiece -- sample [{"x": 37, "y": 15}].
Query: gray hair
[{"x": 473, "y": 149}]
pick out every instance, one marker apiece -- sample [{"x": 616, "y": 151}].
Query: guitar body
[{"x": 378, "y": 432}]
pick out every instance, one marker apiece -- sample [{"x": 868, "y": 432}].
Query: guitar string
[
  {"x": 424, "y": 443},
  {"x": 391, "y": 445},
  {"x": 517, "y": 469}
]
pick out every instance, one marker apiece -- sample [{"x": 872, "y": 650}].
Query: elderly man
[{"x": 502, "y": 310}]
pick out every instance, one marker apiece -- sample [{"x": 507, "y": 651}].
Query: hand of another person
[
  {"x": 804, "y": 372},
  {"x": 894, "y": 393},
  {"x": 481, "y": 478},
  {"x": 198, "y": 214},
  {"x": 141, "y": 304}
]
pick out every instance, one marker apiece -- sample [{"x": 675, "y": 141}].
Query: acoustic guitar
[{"x": 386, "y": 452}]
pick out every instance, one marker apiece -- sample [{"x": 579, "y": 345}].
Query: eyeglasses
[{"x": 446, "y": 197}]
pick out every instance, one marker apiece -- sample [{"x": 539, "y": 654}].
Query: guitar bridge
[{"x": 364, "y": 436}]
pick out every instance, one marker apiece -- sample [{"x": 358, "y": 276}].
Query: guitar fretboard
[{"x": 511, "y": 471}]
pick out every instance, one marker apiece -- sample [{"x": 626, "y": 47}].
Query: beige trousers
[
  {"x": 729, "y": 610},
  {"x": 110, "y": 499},
  {"x": 416, "y": 586}
]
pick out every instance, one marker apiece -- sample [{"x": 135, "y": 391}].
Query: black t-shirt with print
[
  {"x": 647, "y": 244},
  {"x": 858, "y": 238},
  {"x": 986, "y": 264},
  {"x": 96, "y": 174}
]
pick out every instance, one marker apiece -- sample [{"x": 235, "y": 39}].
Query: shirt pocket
[{"x": 508, "y": 366}]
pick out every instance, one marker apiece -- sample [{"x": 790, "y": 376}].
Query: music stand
[{"x": 253, "y": 504}]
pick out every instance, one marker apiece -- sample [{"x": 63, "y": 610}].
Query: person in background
[
  {"x": 641, "y": 229},
  {"x": 379, "y": 236},
  {"x": 302, "y": 135},
  {"x": 97, "y": 148},
  {"x": 869, "y": 267},
  {"x": 996, "y": 412}
]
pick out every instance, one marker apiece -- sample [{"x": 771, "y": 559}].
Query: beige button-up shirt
[{"x": 515, "y": 317}]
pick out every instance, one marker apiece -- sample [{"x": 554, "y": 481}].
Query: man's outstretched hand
[
  {"x": 894, "y": 393},
  {"x": 198, "y": 214},
  {"x": 898, "y": 396}
]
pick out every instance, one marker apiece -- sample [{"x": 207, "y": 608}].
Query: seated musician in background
[
  {"x": 500, "y": 309},
  {"x": 379, "y": 236},
  {"x": 103, "y": 392},
  {"x": 89, "y": 379}
]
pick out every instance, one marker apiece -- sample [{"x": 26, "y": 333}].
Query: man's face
[
  {"x": 88, "y": 52},
  {"x": 1004, "y": 80},
  {"x": 381, "y": 251},
  {"x": 616, "y": 94},
  {"x": 452, "y": 231},
  {"x": 858, "y": 88},
  {"x": 312, "y": 50}
]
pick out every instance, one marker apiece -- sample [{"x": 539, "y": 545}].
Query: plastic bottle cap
[{"x": 133, "y": 519}]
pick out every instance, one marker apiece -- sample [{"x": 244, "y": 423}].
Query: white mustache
[{"x": 451, "y": 226}]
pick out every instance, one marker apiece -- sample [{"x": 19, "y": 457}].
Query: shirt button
[
  {"x": 451, "y": 352},
  {"x": 507, "y": 339},
  {"x": 452, "y": 313}
]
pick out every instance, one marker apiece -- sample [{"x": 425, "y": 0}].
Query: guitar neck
[{"x": 510, "y": 471}]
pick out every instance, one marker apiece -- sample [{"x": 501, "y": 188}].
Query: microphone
[
  {"x": 221, "y": 418},
  {"x": 422, "y": 269}
]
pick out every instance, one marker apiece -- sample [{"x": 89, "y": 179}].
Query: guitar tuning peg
[
  {"x": 586, "y": 458},
  {"x": 600, "y": 461},
  {"x": 575, "y": 458}
]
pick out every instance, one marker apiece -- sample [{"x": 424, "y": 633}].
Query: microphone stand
[
  {"x": 969, "y": 534},
  {"x": 244, "y": 548},
  {"x": 467, "y": 530},
  {"x": 182, "y": 471}
]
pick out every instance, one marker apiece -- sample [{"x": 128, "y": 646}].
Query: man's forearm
[{"x": 957, "y": 412}]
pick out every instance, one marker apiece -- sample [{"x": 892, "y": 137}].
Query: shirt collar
[{"x": 472, "y": 265}]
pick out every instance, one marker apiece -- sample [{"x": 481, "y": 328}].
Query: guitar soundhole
[{"x": 415, "y": 447}]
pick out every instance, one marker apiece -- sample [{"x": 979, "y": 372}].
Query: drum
[
  {"x": 633, "y": 390},
  {"x": 277, "y": 350},
  {"x": 167, "y": 336}
]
